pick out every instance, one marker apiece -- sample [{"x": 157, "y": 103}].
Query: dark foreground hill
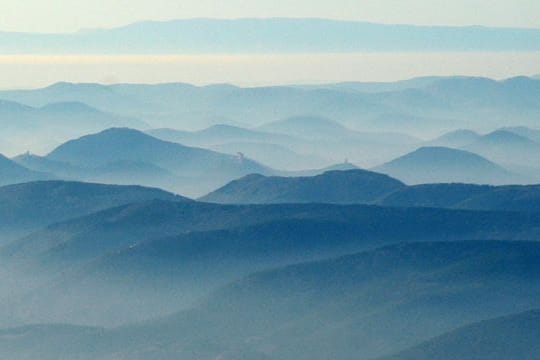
[
  {"x": 76, "y": 239},
  {"x": 149, "y": 259},
  {"x": 29, "y": 206},
  {"x": 506, "y": 338},
  {"x": 339, "y": 187},
  {"x": 468, "y": 196},
  {"x": 365, "y": 187},
  {"x": 361, "y": 306}
]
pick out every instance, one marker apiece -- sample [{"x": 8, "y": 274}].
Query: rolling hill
[
  {"x": 12, "y": 173},
  {"x": 468, "y": 196},
  {"x": 365, "y": 305},
  {"x": 506, "y": 147},
  {"x": 355, "y": 186},
  {"x": 456, "y": 139},
  {"x": 74, "y": 239},
  {"x": 446, "y": 165},
  {"x": 149, "y": 259},
  {"x": 26, "y": 207},
  {"x": 40, "y": 128},
  {"x": 268, "y": 148},
  {"x": 218, "y": 134},
  {"x": 505, "y": 338},
  {"x": 532, "y": 134},
  {"x": 193, "y": 170},
  {"x": 423, "y": 109},
  {"x": 308, "y": 127},
  {"x": 338, "y": 187}
]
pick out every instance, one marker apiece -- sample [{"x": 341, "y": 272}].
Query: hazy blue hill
[
  {"x": 331, "y": 140},
  {"x": 7, "y": 107},
  {"x": 482, "y": 92},
  {"x": 188, "y": 106},
  {"x": 532, "y": 134},
  {"x": 340, "y": 187},
  {"x": 99, "y": 96},
  {"x": 310, "y": 127},
  {"x": 217, "y": 134},
  {"x": 11, "y": 173},
  {"x": 363, "y": 306},
  {"x": 69, "y": 107},
  {"x": 123, "y": 170},
  {"x": 445, "y": 165},
  {"x": 376, "y": 87},
  {"x": 272, "y": 35},
  {"x": 456, "y": 139},
  {"x": 457, "y": 99},
  {"x": 273, "y": 155},
  {"x": 320, "y": 128},
  {"x": 344, "y": 166},
  {"x": 502, "y": 137},
  {"x": 507, "y": 147},
  {"x": 272, "y": 149},
  {"x": 505, "y": 338},
  {"x": 127, "y": 144},
  {"x": 26, "y": 207},
  {"x": 40, "y": 128},
  {"x": 55, "y": 113},
  {"x": 197, "y": 170},
  {"x": 42, "y": 164}
]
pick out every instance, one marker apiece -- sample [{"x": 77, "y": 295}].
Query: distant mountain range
[
  {"x": 272, "y": 35},
  {"x": 418, "y": 106},
  {"x": 295, "y": 143},
  {"x": 272, "y": 149}
]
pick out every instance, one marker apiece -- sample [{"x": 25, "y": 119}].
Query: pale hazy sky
[{"x": 72, "y": 15}]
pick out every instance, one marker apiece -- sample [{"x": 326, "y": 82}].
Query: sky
[
  {"x": 74, "y": 15},
  {"x": 29, "y": 71}
]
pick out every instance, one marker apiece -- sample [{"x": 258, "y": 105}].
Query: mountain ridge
[{"x": 270, "y": 35}]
